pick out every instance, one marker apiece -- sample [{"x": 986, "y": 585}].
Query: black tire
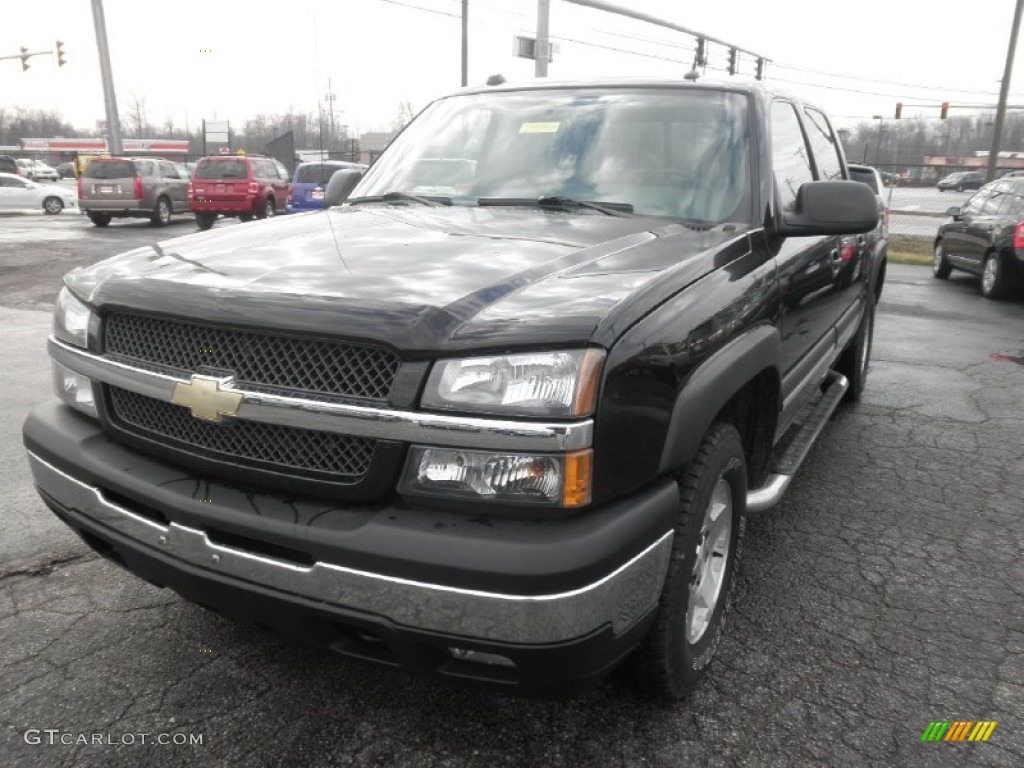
[
  {"x": 676, "y": 653},
  {"x": 995, "y": 282},
  {"x": 856, "y": 359},
  {"x": 53, "y": 205},
  {"x": 940, "y": 265},
  {"x": 100, "y": 219},
  {"x": 268, "y": 209},
  {"x": 959, "y": 187},
  {"x": 205, "y": 220},
  {"x": 162, "y": 213},
  {"x": 244, "y": 217}
]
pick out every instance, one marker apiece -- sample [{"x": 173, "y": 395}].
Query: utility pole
[
  {"x": 330, "y": 107},
  {"x": 465, "y": 43},
  {"x": 109, "y": 99},
  {"x": 1004, "y": 91},
  {"x": 543, "y": 43}
]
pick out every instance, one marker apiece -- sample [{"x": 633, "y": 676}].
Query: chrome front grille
[
  {"x": 259, "y": 361},
  {"x": 341, "y": 458}
]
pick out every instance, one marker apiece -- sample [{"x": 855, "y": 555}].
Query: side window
[
  {"x": 823, "y": 143},
  {"x": 790, "y": 158},
  {"x": 976, "y": 204},
  {"x": 998, "y": 202},
  {"x": 282, "y": 172},
  {"x": 260, "y": 169},
  {"x": 168, "y": 171}
]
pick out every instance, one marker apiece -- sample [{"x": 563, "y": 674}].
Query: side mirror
[
  {"x": 953, "y": 211},
  {"x": 831, "y": 208},
  {"x": 341, "y": 185}
]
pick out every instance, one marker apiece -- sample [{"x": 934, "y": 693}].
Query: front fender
[{"x": 712, "y": 385}]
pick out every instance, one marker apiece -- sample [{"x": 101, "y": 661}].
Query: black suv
[{"x": 986, "y": 237}]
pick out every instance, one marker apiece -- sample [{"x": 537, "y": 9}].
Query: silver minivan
[{"x": 115, "y": 187}]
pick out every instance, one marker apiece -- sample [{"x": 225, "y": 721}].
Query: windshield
[
  {"x": 317, "y": 173},
  {"x": 665, "y": 152}
]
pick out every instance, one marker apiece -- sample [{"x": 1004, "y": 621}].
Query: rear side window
[
  {"x": 790, "y": 159},
  {"x": 229, "y": 168},
  {"x": 865, "y": 177},
  {"x": 823, "y": 142},
  {"x": 110, "y": 169}
]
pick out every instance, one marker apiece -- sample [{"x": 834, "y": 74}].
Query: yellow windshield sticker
[{"x": 539, "y": 127}]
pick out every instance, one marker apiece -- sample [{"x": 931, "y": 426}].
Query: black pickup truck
[{"x": 499, "y": 411}]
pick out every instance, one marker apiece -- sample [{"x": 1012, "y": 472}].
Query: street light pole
[
  {"x": 109, "y": 99},
  {"x": 1004, "y": 91}
]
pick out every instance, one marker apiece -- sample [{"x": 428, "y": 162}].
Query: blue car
[{"x": 310, "y": 183}]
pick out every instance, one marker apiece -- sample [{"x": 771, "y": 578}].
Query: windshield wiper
[
  {"x": 389, "y": 197},
  {"x": 609, "y": 209},
  {"x": 557, "y": 201}
]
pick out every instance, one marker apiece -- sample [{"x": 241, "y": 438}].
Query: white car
[
  {"x": 43, "y": 172},
  {"x": 20, "y": 194}
]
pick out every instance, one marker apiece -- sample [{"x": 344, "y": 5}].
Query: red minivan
[{"x": 243, "y": 186}]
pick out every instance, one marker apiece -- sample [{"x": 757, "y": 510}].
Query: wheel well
[{"x": 754, "y": 412}]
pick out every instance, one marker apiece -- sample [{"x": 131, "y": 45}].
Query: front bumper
[{"x": 560, "y": 601}]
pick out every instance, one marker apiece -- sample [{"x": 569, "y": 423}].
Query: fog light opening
[{"x": 480, "y": 657}]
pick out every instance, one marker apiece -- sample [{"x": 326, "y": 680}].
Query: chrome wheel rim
[
  {"x": 270, "y": 209},
  {"x": 990, "y": 274},
  {"x": 164, "y": 212},
  {"x": 53, "y": 205},
  {"x": 709, "y": 566}
]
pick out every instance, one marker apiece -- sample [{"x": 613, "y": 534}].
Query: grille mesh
[
  {"x": 248, "y": 442},
  {"x": 260, "y": 361}
]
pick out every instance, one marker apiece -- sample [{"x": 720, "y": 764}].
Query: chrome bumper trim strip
[{"x": 621, "y": 598}]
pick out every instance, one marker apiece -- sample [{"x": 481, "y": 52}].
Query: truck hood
[{"x": 420, "y": 279}]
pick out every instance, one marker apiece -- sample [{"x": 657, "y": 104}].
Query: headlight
[
  {"x": 559, "y": 384},
  {"x": 71, "y": 320},
  {"x": 554, "y": 480}
]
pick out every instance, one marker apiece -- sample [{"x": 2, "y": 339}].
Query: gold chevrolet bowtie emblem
[{"x": 205, "y": 398}]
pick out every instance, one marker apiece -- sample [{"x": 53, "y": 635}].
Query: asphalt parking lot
[{"x": 885, "y": 592}]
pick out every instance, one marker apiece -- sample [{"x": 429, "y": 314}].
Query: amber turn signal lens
[
  {"x": 576, "y": 479},
  {"x": 586, "y": 383}
]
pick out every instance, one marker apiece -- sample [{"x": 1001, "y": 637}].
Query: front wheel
[
  {"x": 940, "y": 265},
  {"x": 53, "y": 205},
  {"x": 995, "y": 283},
  {"x": 694, "y": 601}
]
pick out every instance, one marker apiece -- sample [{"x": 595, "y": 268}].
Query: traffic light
[
  {"x": 24, "y": 58},
  {"x": 732, "y": 61},
  {"x": 944, "y": 110},
  {"x": 60, "y": 54},
  {"x": 760, "y": 68},
  {"x": 899, "y": 109}
]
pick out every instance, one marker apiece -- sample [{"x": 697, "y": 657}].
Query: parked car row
[{"x": 244, "y": 187}]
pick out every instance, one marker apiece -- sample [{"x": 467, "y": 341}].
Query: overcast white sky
[{"x": 194, "y": 59}]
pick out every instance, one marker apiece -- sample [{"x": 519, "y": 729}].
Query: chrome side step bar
[{"x": 807, "y": 429}]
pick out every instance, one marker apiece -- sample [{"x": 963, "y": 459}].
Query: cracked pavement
[{"x": 886, "y": 591}]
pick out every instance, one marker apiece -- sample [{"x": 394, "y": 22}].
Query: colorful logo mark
[{"x": 958, "y": 730}]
